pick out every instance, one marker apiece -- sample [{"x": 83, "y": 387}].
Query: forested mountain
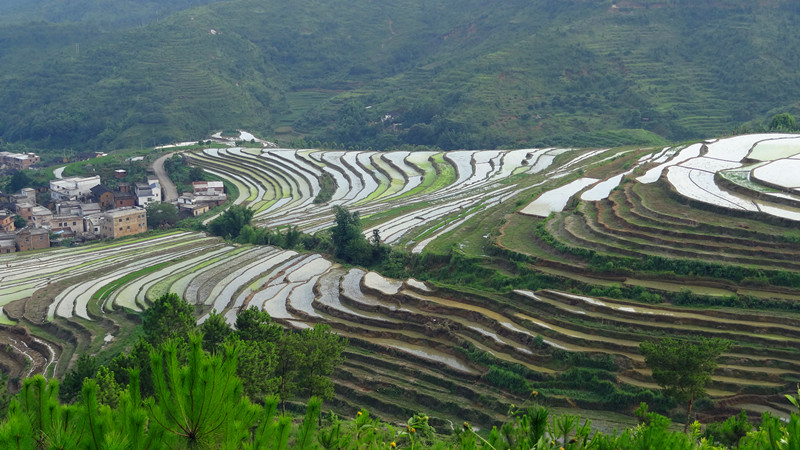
[
  {"x": 111, "y": 74},
  {"x": 108, "y": 14}
]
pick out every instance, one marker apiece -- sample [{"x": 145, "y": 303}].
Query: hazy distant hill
[
  {"x": 107, "y": 13},
  {"x": 483, "y": 74}
]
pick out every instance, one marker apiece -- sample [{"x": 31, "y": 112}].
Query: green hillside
[
  {"x": 484, "y": 74},
  {"x": 109, "y": 14}
]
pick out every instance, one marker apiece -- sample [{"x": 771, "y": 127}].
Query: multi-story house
[
  {"x": 89, "y": 208},
  {"x": 104, "y": 196},
  {"x": 92, "y": 224},
  {"x": 25, "y": 195},
  {"x": 74, "y": 223},
  {"x": 7, "y": 244},
  {"x": 122, "y": 222},
  {"x": 149, "y": 192},
  {"x": 41, "y": 217},
  {"x": 124, "y": 197},
  {"x": 32, "y": 239},
  {"x": 6, "y": 221},
  {"x": 18, "y": 161},
  {"x": 188, "y": 206},
  {"x": 25, "y": 209},
  {"x": 68, "y": 208}
]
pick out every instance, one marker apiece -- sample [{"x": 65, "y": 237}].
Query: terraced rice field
[
  {"x": 283, "y": 183},
  {"x": 410, "y": 339}
]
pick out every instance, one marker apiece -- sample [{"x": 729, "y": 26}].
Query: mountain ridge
[{"x": 482, "y": 75}]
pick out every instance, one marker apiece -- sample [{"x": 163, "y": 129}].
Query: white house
[
  {"x": 73, "y": 188},
  {"x": 149, "y": 192}
]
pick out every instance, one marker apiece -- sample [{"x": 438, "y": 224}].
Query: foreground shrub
[{"x": 200, "y": 405}]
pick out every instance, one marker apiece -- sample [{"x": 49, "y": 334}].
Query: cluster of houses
[{"x": 81, "y": 209}]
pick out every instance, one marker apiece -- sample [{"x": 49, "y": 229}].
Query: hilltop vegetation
[
  {"x": 383, "y": 75},
  {"x": 109, "y": 15}
]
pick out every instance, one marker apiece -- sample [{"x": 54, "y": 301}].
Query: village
[{"x": 74, "y": 210}]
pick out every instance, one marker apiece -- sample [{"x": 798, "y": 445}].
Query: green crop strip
[
  {"x": 106, "y": 290},
  {"x": 446, "y": 174}
]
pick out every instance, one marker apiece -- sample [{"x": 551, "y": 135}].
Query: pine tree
[
  {"x": 683, "y": 368},
  {"x": 200, "y": 404},
  {"x": 215, "y": 331}
]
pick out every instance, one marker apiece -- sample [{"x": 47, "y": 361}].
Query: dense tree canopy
[
  {"x": 19, "y": 179},
  {"x": 350, "y": 243},
  {"x": 19, "y": 221},
  {"x": 271, "y": 360},
  {"x": 85, "y": 367},
  {"x": 167, "y": 317},
  {"x": 783, "y": 122},
  {"x": 183, "y": 174},
  {"x": 161, "y": 215},
  {"x": 253, "y": 324},
  {"x": 200, "y": 404},
  {"x": 321, "y": 351},
  {"x": 284, "y": 362},
  {"x": 215, "y": 332},
  {"x": 230, "y": 223}
]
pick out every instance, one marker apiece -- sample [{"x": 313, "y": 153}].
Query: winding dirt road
[{"x": 170, "y": 191}]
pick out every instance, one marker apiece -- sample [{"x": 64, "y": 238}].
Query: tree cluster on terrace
[
  {"x": 271, "y": 360},
  {"x": 183, "y": 174},
  {"x": 346, "y": 242}
]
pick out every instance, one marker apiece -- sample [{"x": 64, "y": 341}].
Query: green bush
[{"x": 507, "y": 379}]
